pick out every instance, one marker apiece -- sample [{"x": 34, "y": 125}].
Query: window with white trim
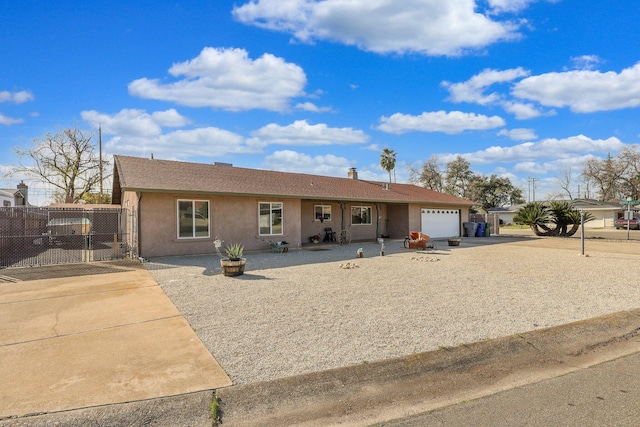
[
  {"x": 270, "y": 218},
  {"x": 322, "y": 213},
  {"x": 361, "y": 215},
  {"x": 193, "y": 219}
]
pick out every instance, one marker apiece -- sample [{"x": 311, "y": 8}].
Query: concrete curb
[{"x": 394, "y": 388}]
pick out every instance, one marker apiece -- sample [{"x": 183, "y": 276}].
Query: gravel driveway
[{"x": 300, "y": 312}]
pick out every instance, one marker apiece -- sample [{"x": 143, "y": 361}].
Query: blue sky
[{"x": 520, "y": 88}]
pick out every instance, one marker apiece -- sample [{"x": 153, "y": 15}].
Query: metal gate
[{"x": 44, "y": 236}]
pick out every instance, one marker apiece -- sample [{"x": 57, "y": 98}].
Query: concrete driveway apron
[{"x": 75, "y": 342}]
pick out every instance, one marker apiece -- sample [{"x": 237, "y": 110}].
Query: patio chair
[{"x": 329, "y": 235}]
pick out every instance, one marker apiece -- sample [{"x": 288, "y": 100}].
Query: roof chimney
[
  {"x": 24, "y": 195},
  {"x": 353, "y": 173}
]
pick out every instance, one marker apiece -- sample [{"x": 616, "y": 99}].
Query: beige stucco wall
[
  {"x": 235, "y": 219},
  {"x": 602, "y": 219},
  {"x": 311, "y": 227},
  {"x": 398, "y": 225},
  {"x": 232, "y": 219}
]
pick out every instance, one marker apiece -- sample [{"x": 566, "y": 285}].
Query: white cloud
[
  {"x": 473, "y": 89},
  {"x": 131, "y": 122},
  {"x": 519, "y": 134},
  {"x": 301, "y": 133},
  {"x": 228, "y": 79},
  {"x": 16, "y": 97},
  {"x": 209, "y": 142},
  {"x": 452, "y": 122},
  {"x": 525, "y": 110},
  {"x": 8, "y": 121},
  {"x": 429, "y": 27},
  {"x": 585, "y": 62},
  {"x": 509, "y": 5},
  {"x": 531, "y": 168},
  {"x": 292, "y": 161},
  {"x": 550, "y": 148},
  {"x": 313, "y": 108},
  {"x": 555, "y": 166},
  {"x": 583, "y": 91}
]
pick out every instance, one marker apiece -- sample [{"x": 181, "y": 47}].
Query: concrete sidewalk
[{"x": 77, "y": 342}]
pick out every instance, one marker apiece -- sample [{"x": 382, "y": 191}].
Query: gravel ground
[{"x": 300, "y": 312}]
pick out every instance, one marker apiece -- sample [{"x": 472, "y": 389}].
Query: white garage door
[{"x": 440, "y": 222}]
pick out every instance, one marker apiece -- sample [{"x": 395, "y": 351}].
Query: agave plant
[{"x": 234, "y": 252}]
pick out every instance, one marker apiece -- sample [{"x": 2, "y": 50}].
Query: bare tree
[
  {"x": 629, "y": 157},
  {"x": 429, "y": 175},
  {"x": 612, "y": 177},
  {"x": 67, "y": 161},
  {"x": 564, "y": 182}
]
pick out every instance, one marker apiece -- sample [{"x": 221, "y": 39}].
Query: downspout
[
  {"x": 139, "y": 225},
  {"x": 377, "y": 220}
]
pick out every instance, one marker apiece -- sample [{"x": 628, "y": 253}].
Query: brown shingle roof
[{"x": 154, "y": 175}]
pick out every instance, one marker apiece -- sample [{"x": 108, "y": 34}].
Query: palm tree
[
  {"x": 535, "y": 215},
  {"x": 388, "y": 161},
  {"x": 561, "y": 214}
]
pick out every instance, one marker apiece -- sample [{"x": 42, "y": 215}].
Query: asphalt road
[{"x": 603, "y": 395}]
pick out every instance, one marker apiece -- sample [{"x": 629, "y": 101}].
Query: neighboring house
[
  {"x": 6, "y": 199},
  {"x": 17, "y": 197},
  {"x": 182, "y": 207},
  {"x": 604, "y": 213}
]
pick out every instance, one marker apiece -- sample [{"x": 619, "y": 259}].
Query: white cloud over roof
[
  {"x": 583, "y": 91},
  {"x": 209, "y": 141},
  {"x": 293, "y": 161},
  {"x": 473, "y": 89},
  {"x": 301, "y": 133},
  {"x": 549, "y": 148},
  {"x": 429, "y": 27},
  {"x": 132, "y": 122},
  {"x": 228, "y": 79},
  {"x": 452, "y": 122}
]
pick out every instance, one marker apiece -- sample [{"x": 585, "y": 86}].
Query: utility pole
[
  {"x": 100, "y": 144},
  {"x": 532, "y": 188}
]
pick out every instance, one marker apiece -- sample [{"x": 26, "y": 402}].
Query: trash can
[
  {"x": 480, "y": 230},
  {"x": 487, "y": 230},
  {"x": 470, "y": 228}
]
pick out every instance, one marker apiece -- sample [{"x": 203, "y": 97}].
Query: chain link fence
[{"x": 47, "y": 236}]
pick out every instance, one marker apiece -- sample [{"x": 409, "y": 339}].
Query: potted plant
[{"x": 233, "y": 264}]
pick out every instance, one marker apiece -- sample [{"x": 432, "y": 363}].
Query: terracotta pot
[{"x": 233, "y": 268}]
